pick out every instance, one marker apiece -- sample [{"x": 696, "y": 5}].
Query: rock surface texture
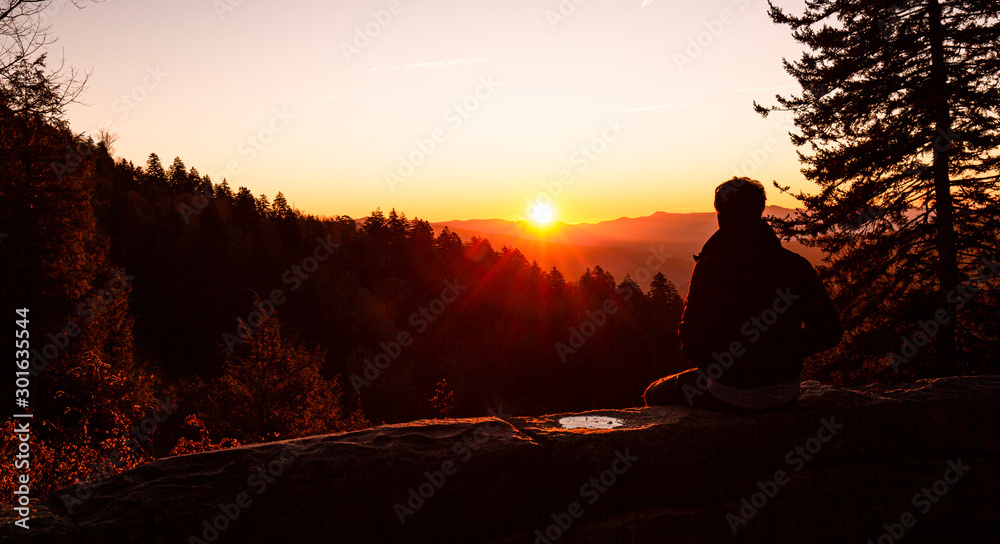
[{"x": 920, "y": 462}]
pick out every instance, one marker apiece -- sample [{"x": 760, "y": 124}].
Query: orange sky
[{"x": 444, "y": 110}]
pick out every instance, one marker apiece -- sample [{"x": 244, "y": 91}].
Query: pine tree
[
  {"x": 245, "y": 211},
  {"x": 264, "y": 206},
  {"x": 177, "y": 176},
  {"x": 421, "y": 237},
  {"x": 223, "y": 190},
  {"x": 899, "y": 108},
  {"x": 603, "y": 280},
  {"x": 665, "y": 298},
  {"x": 449, "y": 243},
  {"x": 397, "y": 226},
  {"x": 154, "y": 173},
  {"x": 198, "y": 184},
  {"x": 273, "y": 388},
  {"x": 288, "y": 225},
  {"x": 375, "y": 225},
  {"x": 557, "y": 282},
  {"x": 281, "y": 209}
]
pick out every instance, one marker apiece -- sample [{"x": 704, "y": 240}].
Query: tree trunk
[{"x": 943, "y": 203}]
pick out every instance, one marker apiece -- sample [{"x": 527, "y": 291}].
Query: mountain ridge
[{"x": 621, "y": 246}]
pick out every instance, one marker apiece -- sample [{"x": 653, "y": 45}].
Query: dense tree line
[
  {"x": 208, "y": 261},
  {"x": 260, "y": 322}
]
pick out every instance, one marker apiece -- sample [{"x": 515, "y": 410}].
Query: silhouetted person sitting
[{"x": 753, "y": 312}]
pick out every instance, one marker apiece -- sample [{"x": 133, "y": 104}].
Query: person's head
[{"x": 739, "y": 200}]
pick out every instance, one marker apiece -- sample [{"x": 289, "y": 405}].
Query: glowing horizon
[{"x": 445, "y": 111}]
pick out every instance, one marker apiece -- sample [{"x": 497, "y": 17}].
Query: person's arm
[
  {"x": 697, "y": 328},
  {"x": 822, "y": 328}
]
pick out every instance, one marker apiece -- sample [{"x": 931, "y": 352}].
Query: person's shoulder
[
  {"x": 793, "y": 256},
  {"x": 705, "y": 264},
  {"x": 799, "y": 271},
  {"x": 796, "y": 261}
]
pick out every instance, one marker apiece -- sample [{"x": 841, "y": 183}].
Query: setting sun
[{"x": 542, "y": 213}]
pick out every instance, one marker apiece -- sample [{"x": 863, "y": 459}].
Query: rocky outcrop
[{"x": 920, "y": 462}]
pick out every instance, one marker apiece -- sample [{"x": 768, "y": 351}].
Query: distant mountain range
[{"x": 620, "y": 246}]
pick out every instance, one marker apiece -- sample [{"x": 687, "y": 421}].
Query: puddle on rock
[{"x": 590, "y": 422}]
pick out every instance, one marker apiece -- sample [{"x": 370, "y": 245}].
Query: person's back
[{"x": 753, "y": 312}]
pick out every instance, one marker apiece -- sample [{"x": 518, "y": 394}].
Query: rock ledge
[{"x": 842, "y": 465}]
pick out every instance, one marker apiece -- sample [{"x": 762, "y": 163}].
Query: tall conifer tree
[{"x": 898, "y": 121}]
